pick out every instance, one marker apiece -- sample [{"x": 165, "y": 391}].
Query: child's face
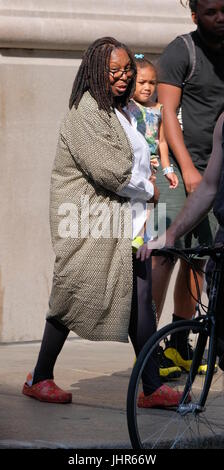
[{"x": 145, "y": 84}]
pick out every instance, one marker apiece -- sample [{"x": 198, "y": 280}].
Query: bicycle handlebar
[{"x": 199, "y": 250}]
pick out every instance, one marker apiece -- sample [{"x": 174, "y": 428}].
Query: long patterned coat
[{"x": 92, "y": 282}]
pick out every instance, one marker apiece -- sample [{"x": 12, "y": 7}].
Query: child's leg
[{"x": 138, "y": 241}]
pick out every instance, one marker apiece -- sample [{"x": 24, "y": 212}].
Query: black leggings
[
  {"x": 143, "y": 320},
  {"x": 142, "y": 326},
  {"x": 53, "y": 340}
]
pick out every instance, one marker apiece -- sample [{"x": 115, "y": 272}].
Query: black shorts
[{"x": 175, "y": 199}]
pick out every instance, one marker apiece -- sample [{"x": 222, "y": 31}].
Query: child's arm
[{"x": 164, "y": 156}]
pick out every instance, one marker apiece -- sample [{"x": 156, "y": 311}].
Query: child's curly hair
[{"x": 192, "y": 4}]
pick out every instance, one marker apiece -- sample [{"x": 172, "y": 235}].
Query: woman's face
[{"x": 120, "y": 62}]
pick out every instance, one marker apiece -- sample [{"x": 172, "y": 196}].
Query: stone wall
[{"x": 41, "y": 44}]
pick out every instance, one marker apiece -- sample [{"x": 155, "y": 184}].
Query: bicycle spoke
[{"x": 190, "y": 423}]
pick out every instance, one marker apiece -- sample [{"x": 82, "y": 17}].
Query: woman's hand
[{"x": 145, "y": 251}]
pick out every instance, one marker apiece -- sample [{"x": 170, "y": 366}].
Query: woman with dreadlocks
[{"x": 98, "y": 291}]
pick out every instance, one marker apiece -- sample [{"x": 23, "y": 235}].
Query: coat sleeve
[
  {"x": 96, "y": 149},
  {"x": 138, "y": 188}
]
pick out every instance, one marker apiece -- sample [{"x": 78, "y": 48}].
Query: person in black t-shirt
[
  {"x": 210, "y": 191},
  {"x": 202, "y": 100}
]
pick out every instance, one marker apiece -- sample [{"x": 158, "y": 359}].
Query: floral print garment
[{"x": 148, "y": 123}]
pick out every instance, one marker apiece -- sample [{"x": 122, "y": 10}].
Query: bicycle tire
[{"x": 186, "y": 413}]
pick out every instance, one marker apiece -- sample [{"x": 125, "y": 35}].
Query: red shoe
[
  {"x": 48, "y": 391},
  {"x": 163, "y": 397}
]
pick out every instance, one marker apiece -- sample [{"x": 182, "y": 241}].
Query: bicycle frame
[
  {"x": 213, "y": 319},
  {"x": 153, "y": 426},
  {"x": 216, "y": 291}
]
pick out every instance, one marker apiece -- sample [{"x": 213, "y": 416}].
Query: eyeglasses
[{"x": 119, "y": 73}]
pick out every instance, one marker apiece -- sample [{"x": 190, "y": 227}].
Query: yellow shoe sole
[
  {"x": 170, "y": 372},
  {"x": 174, "y": 355}
]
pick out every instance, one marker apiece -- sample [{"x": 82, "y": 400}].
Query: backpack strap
[{"x": 187, "y": 38}]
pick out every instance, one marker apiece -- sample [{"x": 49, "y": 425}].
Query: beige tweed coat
[{"x": 92, "y": 282}]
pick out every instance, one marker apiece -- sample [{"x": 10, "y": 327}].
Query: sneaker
[
  {"x": 167, "y": 369},
  {"x": 163, "y": 397},
  {"x": 137, "y": 242},
  {"x": 184, "y": 358},
  {"x": 46, "y": 390}
]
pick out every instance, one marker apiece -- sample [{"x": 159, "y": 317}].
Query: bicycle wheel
[{"x": 190, "y": 425}]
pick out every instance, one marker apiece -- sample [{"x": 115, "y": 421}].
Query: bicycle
[{"x": 191, "y": 424}]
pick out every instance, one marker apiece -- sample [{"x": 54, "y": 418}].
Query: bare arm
[
  {"x": 164, "y": 156},
  {"x": 163, "y": 147},
  {"x": 198, "y": 203},
  {"x": 170, "y": 97}
]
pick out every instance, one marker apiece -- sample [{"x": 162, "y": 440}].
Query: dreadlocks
[
  {"x": 93, "y": 75},
  {"x": 192, "y": 4}
]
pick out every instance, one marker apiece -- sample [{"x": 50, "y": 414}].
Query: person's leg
[
  {"x": 184, "y": 303},
  {"x": 170, "y": 204},
  {"x": 40, "y": 385},
  {"x": 53, "y": 340},
  {"x": 179, "y": 349},
  {"x": 162, "y": 269},
  {"x": 143, "y": 320},
  {"x": 142, "y": 326}
]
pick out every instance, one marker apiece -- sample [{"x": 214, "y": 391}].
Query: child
[{"x": 148, "y": 117}]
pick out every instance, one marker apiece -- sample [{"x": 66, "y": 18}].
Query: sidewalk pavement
[{"x": 97, "y": 374}]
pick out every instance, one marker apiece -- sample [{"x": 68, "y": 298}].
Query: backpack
[{"x": 187, "y": 38}]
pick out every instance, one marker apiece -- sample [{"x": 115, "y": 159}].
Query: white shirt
[{"x": 139, "y": 189}]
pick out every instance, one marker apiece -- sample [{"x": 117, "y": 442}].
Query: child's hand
[
  {"x": 152, "y": 178},
  {"x": 155, "y": 198},
  {"x": 154, "y": 164},
  {"x": 173, "y": 180}
]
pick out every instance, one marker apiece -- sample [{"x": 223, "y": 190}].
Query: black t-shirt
[
  {"x": 202, "y": 95},
  {"x": 219, "y": 201}
]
